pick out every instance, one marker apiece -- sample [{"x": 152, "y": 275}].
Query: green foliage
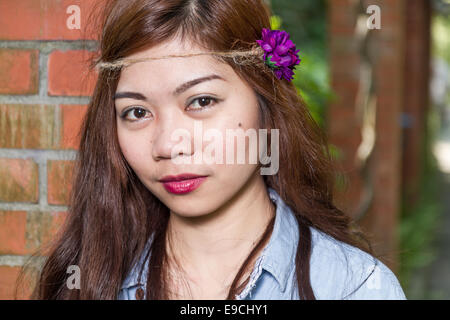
[
  {"x": 441, "y": 40},
  {"x": 306, "y": 23},
  {"x": 416, "y": 232},
  {"x": 335, "y": 152},
  {"x": 440, "y": 27},
  {"x": 311, "y": 80},
  {"x": 418, "y": 223}
]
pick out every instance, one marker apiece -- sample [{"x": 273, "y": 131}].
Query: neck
[{"x": 218, "y": 242}]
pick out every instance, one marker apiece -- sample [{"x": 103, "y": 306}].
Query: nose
[{"x": 172, "y": 137}]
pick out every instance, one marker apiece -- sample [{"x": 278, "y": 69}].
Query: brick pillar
[
  {"x": 344, "y": 128},
  {"x": 44, "y": 91},
  {"x": 344, "y": 124},
  {"x": 417, "y": 73},
  {"x": 382, "y": 219}
]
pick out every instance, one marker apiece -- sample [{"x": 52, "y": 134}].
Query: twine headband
[
  {"x": 239, "y": 57},
  {"x": 275, "y": 50}
]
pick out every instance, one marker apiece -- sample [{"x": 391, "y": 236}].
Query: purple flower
[{"x": 280, "y": 53}]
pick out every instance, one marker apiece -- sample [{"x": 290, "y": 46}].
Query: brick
[
  {"x": 346, "y": 91},
  {"x": 348, "y": 198},
  {"x": 47, "y": 20},
  {"x": 343, "y": 3},
  {"x": 345, "y": 65},
  {"x": 72, "y": 117},
  {"x": 59, "y": 181},
  {"x": 24, "y": 233},
  {"x": 69, "y": 75},
  {"x": 342, "y": 19},
  {"x": 19, "y": 181},
  {"x": 19, "y": 71},
  {"x": 343, "y": 44},
  {"x": 12, "y": 232},
  {"x": 28, "y": 126},
  {"x": 41, "y": 229},
  {"x": 8, "y": 284}
]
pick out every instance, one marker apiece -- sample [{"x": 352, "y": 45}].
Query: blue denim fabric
[{"x": 338, "y": 270}]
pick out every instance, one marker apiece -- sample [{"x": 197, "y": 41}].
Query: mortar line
[
  {"x": 37, "y": 155},
  {"x": 58, "y": 126},
  {"x": 17, "y": 260},
  {"x": 38, "y": 99},
  {"x": 20, "y": 206},
  {"x": 43, "y": 58},
  {"x": 50, "y": 45},
  {"x": 43, "y": 182}
]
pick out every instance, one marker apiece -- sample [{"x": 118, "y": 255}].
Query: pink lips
[{"x": 181, "y": 184}]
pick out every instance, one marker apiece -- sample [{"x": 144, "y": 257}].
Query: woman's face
[{"x": 162, "y": 105}]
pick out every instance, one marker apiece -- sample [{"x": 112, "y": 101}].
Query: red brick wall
[{"x": 45, "y": 86}]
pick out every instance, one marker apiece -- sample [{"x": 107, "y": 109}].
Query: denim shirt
[{"x": 337, "y": 269}]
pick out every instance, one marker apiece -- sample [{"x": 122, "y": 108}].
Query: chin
[
  {"x": 189, "y": 205},
  {"x": 187, "y": 211},
  {"x": 195, "y": 205}
]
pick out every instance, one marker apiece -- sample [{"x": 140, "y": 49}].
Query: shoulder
[{"x": 342, "y": 271}]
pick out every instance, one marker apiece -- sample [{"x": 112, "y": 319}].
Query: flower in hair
[{"x": 280, "y": 53}]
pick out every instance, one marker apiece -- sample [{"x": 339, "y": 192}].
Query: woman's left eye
[{"x": 203, "y": 103}]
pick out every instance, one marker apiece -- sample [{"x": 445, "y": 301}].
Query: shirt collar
[{"x": 277, "y": 257}]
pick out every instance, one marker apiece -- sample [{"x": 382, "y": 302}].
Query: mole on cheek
[{"x": 240, "y": 124}]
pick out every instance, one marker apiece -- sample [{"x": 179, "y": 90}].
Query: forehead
[{"x": 173, "y": 70}]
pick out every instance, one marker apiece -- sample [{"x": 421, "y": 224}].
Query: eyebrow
[{"x": 182, "y": 88}]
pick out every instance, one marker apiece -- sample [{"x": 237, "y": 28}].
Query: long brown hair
[{"x": 112, "y": 214}]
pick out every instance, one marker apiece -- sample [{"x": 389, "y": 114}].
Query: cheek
[
  {"x": 235, "y": 149},
  {"x": 132, "y": 150},
  {"x": 243, "y": 117}
]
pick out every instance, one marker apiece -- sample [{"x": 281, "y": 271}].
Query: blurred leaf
[
  {"x": 441, "y": 38},
  {"x": 275, "y": 22}
]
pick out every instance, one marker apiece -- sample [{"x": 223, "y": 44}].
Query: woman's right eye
[{"x": 134, "y": 114}]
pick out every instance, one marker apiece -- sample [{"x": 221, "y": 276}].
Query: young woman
[{"x": 147, "y": 221}]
